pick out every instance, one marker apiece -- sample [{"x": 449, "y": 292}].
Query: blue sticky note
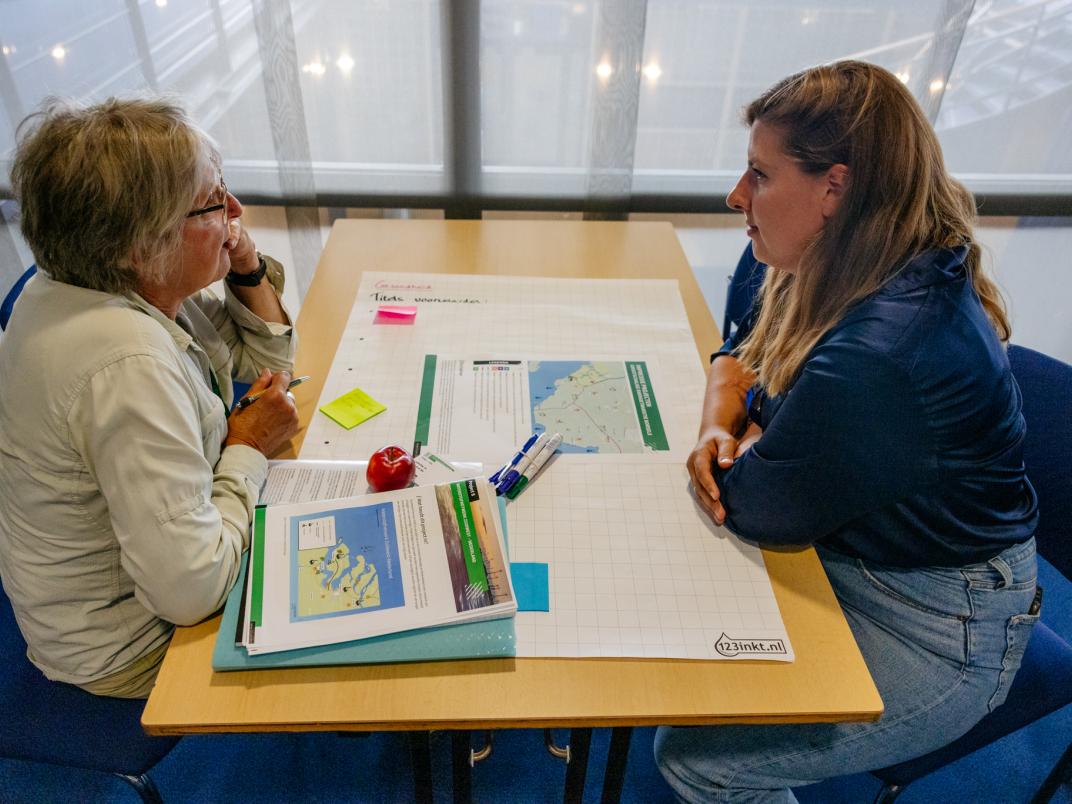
[{"x": 530, "y": 586}]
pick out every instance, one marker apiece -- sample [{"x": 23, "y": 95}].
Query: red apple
[{"x": 390, "y": 468}]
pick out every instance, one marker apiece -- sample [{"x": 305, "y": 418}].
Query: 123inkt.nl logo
[{"x": 734, "y": 646}]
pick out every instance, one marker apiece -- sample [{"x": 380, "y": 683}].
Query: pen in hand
[{"x": 246, "y": 401}]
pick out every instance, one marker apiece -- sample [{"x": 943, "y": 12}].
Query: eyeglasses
[{"x": 220, "y": 196}]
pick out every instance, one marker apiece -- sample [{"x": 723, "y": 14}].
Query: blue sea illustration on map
[
  {"x": 354, "y": 572},
  {"x": 588, "y": 401}
]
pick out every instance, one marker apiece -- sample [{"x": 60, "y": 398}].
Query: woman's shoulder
[
  {"x": 85, "y": 325},
  {"x": 63, "y": 339},
  {"x": 927, "y": 326},
  {"x": 921, "y": 303}
]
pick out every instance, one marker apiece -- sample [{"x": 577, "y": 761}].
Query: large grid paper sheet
[
  {"x": 635, "y": 568},
  {"x": 502, "y": 317}
]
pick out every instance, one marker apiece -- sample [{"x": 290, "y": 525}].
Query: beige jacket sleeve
[{"x": 253, "y": 343}]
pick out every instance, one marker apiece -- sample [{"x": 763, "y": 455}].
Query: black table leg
[
  {"x": 463, "y": 779},
  {"x": 617, "y": 758},
  {"x": 420, "y": 752},
  {"x": 579, "y": 743}
]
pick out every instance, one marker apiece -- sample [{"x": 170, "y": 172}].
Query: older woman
[
  {"x": 885, "y": 430},
  {"x": 126, "y": 489}
]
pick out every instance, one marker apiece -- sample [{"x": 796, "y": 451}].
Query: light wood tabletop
[{"x": 828, "y": 681}]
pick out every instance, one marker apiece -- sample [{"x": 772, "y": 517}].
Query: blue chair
[
  {"x": 9, "y": 300},
  {"x": 240, "y": 390},
  {"x": 1044, "y": 683},
  {"x": 58, "y": 724},
  {"x": 744, "y": 285}
]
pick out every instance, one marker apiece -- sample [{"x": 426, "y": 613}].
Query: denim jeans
[{"x": 942, "y": 645}]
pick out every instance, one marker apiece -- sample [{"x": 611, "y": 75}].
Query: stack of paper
[{"x": 325, "y": 572}]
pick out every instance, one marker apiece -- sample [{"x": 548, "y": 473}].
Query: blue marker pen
[
  {"x": 535, "y": 465},
  {"x": 513, "y": 462},
  {"x": 507, "y": 480}
]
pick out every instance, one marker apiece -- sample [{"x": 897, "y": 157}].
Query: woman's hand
[
  {"x": 261, "y": 299},
  {"x": 244, "y": 259},
  {"x": 715, "y": 444},
  {"x": 724, "y": 415},
  {"x": 268, "y": 423}
]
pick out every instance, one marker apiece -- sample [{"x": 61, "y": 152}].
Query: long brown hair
[{"x": 899, "y": 202}]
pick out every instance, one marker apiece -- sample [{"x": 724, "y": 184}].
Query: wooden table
[{"x": 828, "y": 681}]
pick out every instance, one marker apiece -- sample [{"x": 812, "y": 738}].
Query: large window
[{"x": 350, "y": 100}]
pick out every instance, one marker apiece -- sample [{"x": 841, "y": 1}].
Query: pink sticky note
[{"x": 392, "y": 314}]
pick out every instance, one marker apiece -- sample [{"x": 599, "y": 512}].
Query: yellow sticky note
[{"x": 352, "y": 408}]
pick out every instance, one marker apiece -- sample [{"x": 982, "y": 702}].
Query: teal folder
[{"x": 488, "y": 639}]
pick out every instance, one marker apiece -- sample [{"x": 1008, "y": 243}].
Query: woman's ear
[{"x": 836, "y": 185}]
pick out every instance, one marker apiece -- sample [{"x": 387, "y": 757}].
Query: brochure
[{"x": 325, "y": 572}]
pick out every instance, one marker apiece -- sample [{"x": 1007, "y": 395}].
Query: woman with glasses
[
  {"x": 886, "y": 431},
  {"x": 126, "y": 486}
]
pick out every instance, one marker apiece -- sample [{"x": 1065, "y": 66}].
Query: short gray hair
[{"x": 105, "y": 188}]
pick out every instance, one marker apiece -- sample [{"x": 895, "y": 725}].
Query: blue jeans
[{"x": 942, "y": 645}]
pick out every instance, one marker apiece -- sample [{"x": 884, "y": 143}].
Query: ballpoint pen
[{"x": 246, "y": 401}]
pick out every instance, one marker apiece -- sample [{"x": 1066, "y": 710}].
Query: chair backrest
[
  {"x": 1044, "y": 681},
  {"x": 1046, "y": 386},
  {"x": 9, "y": 300},
  {"x": 744, "y": 285}
]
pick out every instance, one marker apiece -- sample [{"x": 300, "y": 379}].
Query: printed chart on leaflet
[
  {"x": 606, "y": 406},
  {"x": 495, "y": 318},
  {"x": 634, "y": 567}
]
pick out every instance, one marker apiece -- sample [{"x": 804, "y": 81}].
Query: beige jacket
[{"x": 119, "y": 513}]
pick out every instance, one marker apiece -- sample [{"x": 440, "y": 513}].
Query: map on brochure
[
  {"x": 598, "y": 406},
  {"x": 324, "y": 572},
  {"x": 334, "y": 569}
]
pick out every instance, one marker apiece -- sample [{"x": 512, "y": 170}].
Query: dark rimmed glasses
[{"x": 220, "y": 197}]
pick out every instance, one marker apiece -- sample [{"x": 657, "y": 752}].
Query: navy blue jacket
[{"x": 901, "y": 440}]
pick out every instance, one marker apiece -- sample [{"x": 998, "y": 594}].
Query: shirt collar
[
  {"x": 933, "y": 267},
  {"x": 179, "y": 334}
]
